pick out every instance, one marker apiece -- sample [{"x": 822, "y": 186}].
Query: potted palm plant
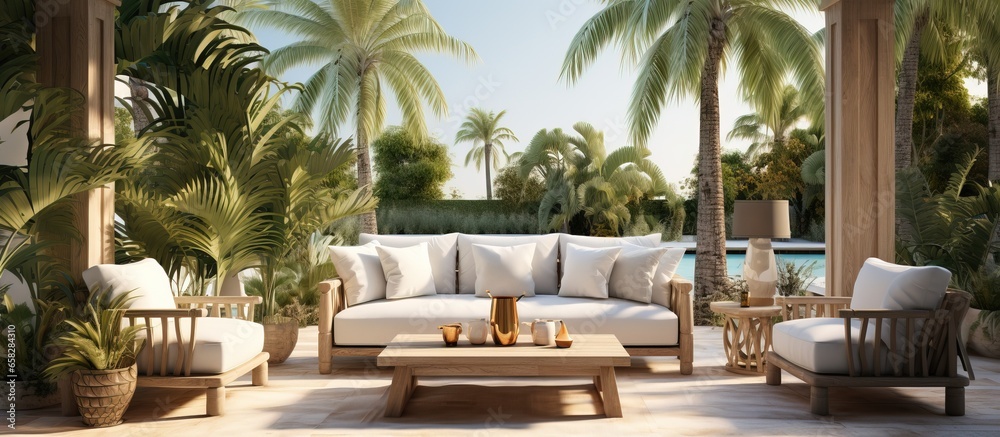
[{"x": 99, "y": 356}]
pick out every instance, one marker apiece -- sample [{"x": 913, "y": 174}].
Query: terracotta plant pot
[
  {"x": 103, "y": 395},
  {"x": 280, "y": 339},
  {"x": 978, "y": 342}
]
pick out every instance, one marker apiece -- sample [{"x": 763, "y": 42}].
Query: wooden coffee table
[{"x": 416, "y": 355}]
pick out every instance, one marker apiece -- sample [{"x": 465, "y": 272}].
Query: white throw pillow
[
  {"x": 665, "y": 271},
  {"x": 442, "y": 250},
  {"x": 544, "y": 267},
  {"x": 360, "y": 270},
  {"x": 146, "y": 279},
  {"x": 587, "y": 270},
  {"x": 504, "y": 270},
  {"x": 407, "y": 271},
  {"x": 633, "y": 272}
]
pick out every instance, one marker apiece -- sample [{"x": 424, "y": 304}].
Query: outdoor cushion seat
[
  {"x": 220, "y": 345},
  {"x": 818, "y": 344},
  {"x": 376, "y": 323}
]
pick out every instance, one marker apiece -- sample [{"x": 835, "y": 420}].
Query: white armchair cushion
[
  {"x": 633, "y": 272},
  {"x": 915, "y": 288},
  {"x": 818, "y": 344},
  {"x": 146, "y": 279},
  {"x": 587, "y": 270},
  {"x": 665, "y": 271},
  {"x": 504, "y": 270},
  {"x": 220, "y": 344},
  {"x": 874, "y": 282},
  {"x": 407, "y": 271},
  {"x": 544, "y": 265},
  {"x": 442, "y": 251},
  {"x": 361, "y": 272}
]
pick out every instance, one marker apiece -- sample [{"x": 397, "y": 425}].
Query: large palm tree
[
  {"x": 364, "y": 47},
  {"x": 483, "y": 130},
  {"x": 680, "y": 46}
]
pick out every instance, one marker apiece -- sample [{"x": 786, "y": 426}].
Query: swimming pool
[{"x": 734, "y": 263}]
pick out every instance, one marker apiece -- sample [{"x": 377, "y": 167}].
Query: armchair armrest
[
  {"x": 683, "y": 306},
  {"x": 331, "y": 302},
  {"x": 804, "y": 307},
  {"x": 240, "y": 307},
  {"x": 920, "y": 342}
]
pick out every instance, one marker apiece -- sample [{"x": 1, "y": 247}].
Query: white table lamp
[{"x": 760, "y": 221}]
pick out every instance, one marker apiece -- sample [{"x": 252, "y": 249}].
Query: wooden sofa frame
[
  {"x": 192, "y": 307},
  {"x": 332, "y": 302},
  {"x": 925, "y": 358}
]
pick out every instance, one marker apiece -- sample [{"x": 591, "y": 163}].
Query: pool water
[{"x": 734, "y": 263}]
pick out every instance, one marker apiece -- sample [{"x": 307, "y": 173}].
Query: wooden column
[
  {"x": 75, "y": 45},
  {"x": 860, "y": 108}
]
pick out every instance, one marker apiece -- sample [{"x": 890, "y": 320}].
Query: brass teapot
[{"x": 503, "y": 319}]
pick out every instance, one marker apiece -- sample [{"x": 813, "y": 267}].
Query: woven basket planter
[
  {"x": 103, "y": 395},
  {"x": 280, "y": 340}
]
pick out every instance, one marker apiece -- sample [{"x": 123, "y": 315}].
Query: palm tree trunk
[
  {"x": 489, "y": 181},
  {"x": 140, "y": 94},
  {"x": 369, "y": 225},
  {"x": 993, "y": 99},
  {"x": 710, "y": 257},
  {"x": 907, "y": 95}
]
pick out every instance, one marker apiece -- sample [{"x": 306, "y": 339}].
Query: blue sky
[{"x": 522, "y": 44}]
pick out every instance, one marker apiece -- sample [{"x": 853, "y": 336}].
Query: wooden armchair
[
  {"x": 872, "y": 347},
  {"x": 189, "y": 341}
]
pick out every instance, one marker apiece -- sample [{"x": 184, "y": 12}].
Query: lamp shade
[{"x": 761, "y": 219}]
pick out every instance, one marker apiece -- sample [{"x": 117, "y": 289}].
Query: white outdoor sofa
[{"x": 662, "y": 327}]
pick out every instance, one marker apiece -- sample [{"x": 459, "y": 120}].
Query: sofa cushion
[
  {"x": 376, "y": 323},
  {"x": 442, "y": 250},
  {"x": 220, "y": 344},
  {"x": 665, "y": 270},
  {"x": 587, "y": 270},
  {"x": 361, "y": 271},
  {"x": 544, "y": 265},
  {"x": 651, "y": 240},
  {"x": 633, "y": 272},
  {"x": 504, "y": 270},
  {"x": 146, "y": 279},
  {"x": 407, "y": 271},
  {"x": 818, "y": 344}
]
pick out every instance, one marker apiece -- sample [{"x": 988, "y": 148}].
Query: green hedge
[
  {"x": 465, "y": 216},
  {"x": 498, "y": 217}
]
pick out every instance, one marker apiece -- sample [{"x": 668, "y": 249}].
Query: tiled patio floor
[{"x": 656, "y": 400}]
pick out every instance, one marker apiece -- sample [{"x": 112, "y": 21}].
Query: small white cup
[{"x": 476, "y": 331}]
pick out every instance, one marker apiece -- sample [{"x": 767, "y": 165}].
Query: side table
[{"x": 746, "y": 335}]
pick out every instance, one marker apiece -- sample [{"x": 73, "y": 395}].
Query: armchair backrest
[
  {"x": 146, "y": 279},
  {"x": 884, "y": 285}
]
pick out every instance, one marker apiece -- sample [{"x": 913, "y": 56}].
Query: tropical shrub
[
  {"x": 793, "y": 280},
  {"x": 409, "y": 169},
  {"x": 586, "y": 184},
  {"x": 958, "y": 229}
]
